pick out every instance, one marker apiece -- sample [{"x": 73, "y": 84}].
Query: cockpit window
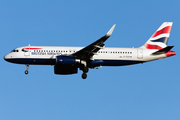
[{"x": 15, "y": 50}]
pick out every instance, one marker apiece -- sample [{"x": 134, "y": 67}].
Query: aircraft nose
[{"x": 6, "y": 57}]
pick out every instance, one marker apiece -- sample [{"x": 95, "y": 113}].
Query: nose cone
[{"x": 7, "y": 57}]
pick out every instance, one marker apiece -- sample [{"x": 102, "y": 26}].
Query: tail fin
[{"x": 160, "y": 38}]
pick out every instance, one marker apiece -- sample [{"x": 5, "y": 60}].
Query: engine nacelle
[
  {"x": 65, "y": 60},
  {"x": 65, "y": 69}
]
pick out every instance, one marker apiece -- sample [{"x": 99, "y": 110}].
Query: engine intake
[{"x": 65, "y": 60}]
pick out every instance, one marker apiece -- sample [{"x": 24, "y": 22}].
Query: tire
[
  {"x": 26, "y": 72},
  {"x": 84, "y": 76}
]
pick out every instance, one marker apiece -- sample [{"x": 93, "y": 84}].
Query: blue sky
[{"x": 138, "y": 92}]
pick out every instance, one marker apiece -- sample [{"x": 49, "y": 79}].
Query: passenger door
[
  {"x": 140, "y": 53},
  {"x": 27, "y": 51}
]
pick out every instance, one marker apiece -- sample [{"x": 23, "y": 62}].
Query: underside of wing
[{"x": 87, "y": 52}]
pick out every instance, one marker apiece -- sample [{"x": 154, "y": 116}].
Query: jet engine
[
  {"x": 66, "y": 60},
  {"x": 66, "y": 65},
  {"x": 65, "y": 69}
]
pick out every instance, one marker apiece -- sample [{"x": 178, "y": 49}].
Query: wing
[{"x": 87, "y": 52}]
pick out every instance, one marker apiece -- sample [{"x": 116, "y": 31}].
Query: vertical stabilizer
[{"x": 160, "y": 38}]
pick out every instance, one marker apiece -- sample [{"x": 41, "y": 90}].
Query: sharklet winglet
[{"x": 111, "y": 30}]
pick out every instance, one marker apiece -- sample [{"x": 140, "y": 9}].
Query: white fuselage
[{"x": 46, "y": 55}]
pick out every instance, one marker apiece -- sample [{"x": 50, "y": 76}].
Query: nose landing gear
[{"x": 27, "y": 67}]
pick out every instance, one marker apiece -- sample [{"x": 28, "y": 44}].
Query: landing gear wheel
[
  {"x": 84, "y": 76},
  {"x": 27, "y": 67},
  {"x": 26, "y": 72}
]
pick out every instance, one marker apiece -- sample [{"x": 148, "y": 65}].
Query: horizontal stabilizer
[{"x": 162, "y": 51}]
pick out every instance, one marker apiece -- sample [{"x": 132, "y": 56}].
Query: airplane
[{"x": 67, "y": 60}]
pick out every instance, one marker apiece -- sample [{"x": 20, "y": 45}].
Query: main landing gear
[
  {"x": 27, "y": 67},
  {"x": 84, "y": 76},
  {"x": 85, "y": 70}
]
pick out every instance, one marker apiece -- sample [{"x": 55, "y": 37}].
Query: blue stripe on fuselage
[
  {"x": 32, "y": 61},
  {"x": 94, "y": 63}
]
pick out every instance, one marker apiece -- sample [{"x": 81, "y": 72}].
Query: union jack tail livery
[{"x": 160, "y": 38}]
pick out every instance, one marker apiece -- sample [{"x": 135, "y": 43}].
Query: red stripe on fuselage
[
  {"x": 31, "y": 48},
  {"x": 162, "y": 31}
]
